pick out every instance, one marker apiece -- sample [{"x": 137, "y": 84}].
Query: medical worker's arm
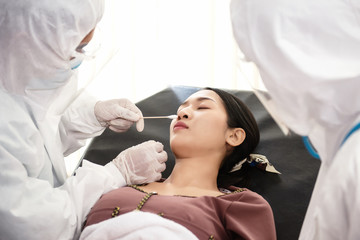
[
  {"x": 87, "y": 118},
  {"x": 139, "y": 164},
  {"x": 31, "y": 207},
  {"x": 78, "y": 123}
]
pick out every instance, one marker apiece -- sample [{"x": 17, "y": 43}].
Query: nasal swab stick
[{"x": 155, "y": 117}]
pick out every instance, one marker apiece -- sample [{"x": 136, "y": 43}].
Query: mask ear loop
[{"x": 310, "y": 148}]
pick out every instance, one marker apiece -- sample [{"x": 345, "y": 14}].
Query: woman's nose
[{"x": 183, "y": 114}]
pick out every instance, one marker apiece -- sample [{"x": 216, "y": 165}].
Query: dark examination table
[{"x": 288, "y": 193}]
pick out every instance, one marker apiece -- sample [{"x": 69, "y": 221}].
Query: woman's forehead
[{"x": 204, "y": 95}]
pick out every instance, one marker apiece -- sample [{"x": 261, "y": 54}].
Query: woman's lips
[{"x": 180, "y": 125}]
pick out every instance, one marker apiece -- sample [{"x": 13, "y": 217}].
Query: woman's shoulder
[
  {"x": 243, "y": 198},
  {"x": 255, "y": 212},
  {"x": 236, "y": 194}
]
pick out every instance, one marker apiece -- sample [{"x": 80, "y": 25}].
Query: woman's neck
[
  {"x": 191, "y": 176},
  {"x": 195, "y": 172}
]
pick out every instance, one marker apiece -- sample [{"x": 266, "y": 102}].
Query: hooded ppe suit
[
  {"x": 308, "y": 56},
  {"x": 37, "y": 125}
]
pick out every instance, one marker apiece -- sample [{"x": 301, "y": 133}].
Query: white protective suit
[
  {"x": 37, "y": 39},
  {"x": 137, "y": 225},
  {"x": 308, "y": 55}
]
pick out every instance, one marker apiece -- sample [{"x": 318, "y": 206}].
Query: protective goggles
[
  {"x": 90, "y": 48},
  {"x": 249, "y": 72}
]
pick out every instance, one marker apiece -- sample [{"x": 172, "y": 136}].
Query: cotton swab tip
[
  {"x": 172, "y": 116},
  {"x": 159, "y": 117}
]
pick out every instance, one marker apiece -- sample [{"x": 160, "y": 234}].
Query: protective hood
[
  {"x": 308, "y": 56},
  {"x": 37, "y": 41}
]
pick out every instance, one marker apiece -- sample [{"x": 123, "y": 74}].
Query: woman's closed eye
[{"x": 203, "y": 106}]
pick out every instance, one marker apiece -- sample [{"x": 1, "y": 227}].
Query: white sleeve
[
  {"x": 136, "y": 225},
  {"x": 31, "y": 208},
  {"x": 88, "y": 184},
  {"x": 79, "y": 123}
]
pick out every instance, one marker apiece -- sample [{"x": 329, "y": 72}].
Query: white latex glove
[
  {"x": 119, "y": 115},
  {"x": 142, "y": 163}
]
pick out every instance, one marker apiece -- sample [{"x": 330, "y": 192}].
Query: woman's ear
[{"x": 235, "y": 136}]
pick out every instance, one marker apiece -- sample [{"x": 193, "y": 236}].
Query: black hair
[{"x": 238, "y": 116}]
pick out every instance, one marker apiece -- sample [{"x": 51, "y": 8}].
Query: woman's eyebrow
[{"x": 199, "y": 99}]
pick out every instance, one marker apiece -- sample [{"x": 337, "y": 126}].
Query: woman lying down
[{"x": 213, "y": 132}]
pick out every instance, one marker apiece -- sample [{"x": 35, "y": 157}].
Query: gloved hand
[
  {"x": 119, "y": 115},
  {"x": 142, "y": 163}
]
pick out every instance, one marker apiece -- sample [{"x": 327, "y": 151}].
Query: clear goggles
[
  {"x": 89, "y": 59},
  {"x": 89, "y": 49},
  {"x": 248, "y": 71}
]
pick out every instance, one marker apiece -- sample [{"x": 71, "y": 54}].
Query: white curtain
[{"x": 153, "y": 44}]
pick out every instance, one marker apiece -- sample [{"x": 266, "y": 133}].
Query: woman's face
[{"x": 201, "y": 126}]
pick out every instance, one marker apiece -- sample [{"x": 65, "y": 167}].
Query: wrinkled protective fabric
[
  {"x": 37, "y": 126},
  {"x": 334, "y": 210},
  {"x": 137, "y": 225},
  {"x": 308, "y": 60},
  {"x": 308, "y": 53},
  {"x": 142, "y": 163}
]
